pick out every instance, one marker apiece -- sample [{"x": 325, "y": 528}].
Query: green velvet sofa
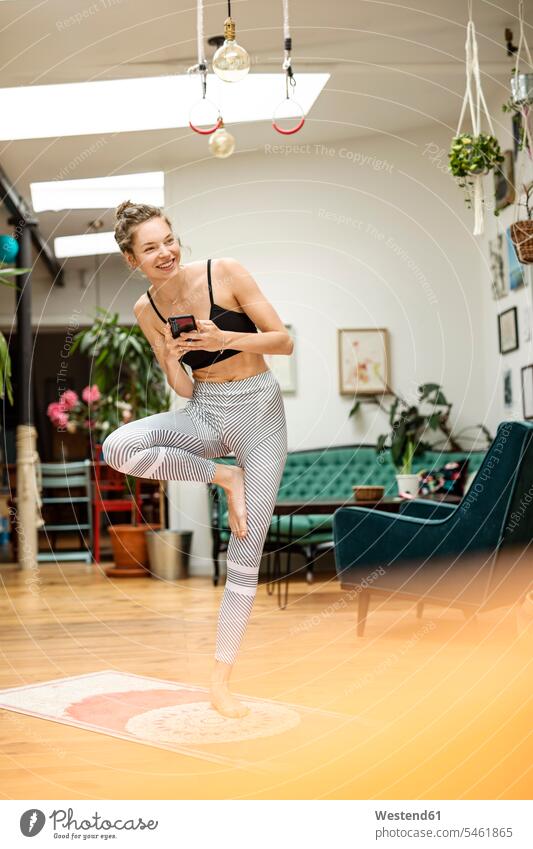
[
  {"x": 323, "y": 473},
  {"x": 449, "y": 554}
]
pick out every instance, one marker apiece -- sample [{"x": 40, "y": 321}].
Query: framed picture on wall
[
  {"x": 508, "y": 388},
  {"x": 517, "y": 132},
  {"x": 508, "y": 330},
  {"x": 363, "y": 361},
  {"x": 527, "y": 391},
  {"x": 497, "y": 267},
  {"x": 516, "y": 270},
  {"x": 504, "y": 191},
  {"x": 284, "y": 368}
]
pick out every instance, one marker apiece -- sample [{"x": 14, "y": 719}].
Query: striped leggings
[{"x": 244, "y": 417}]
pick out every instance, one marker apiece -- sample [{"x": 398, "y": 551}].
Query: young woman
[{"x": 234, "y": 405}]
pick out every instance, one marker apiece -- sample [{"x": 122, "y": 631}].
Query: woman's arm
[
  {"x": 164, "y": 350},
  {"x": 274, "y": 338}
]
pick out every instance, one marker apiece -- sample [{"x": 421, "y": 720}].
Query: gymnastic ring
[
  {"x": 294, "y": 129},
  {"x": 208, "y": 130}
]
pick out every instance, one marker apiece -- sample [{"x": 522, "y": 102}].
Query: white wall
[
  {"x": 369, "y": 232},
  {"x": 497, "y": 364},
  {"x": 366, "y": 233}
]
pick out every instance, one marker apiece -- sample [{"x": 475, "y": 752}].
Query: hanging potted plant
[
  {"x": 474, "y": 154},
  {"x": 470, "y": 158},
  {"x": 522, "y": 231}
]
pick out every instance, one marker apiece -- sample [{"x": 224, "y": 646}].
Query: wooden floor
[{"x": 450, "y": 698}]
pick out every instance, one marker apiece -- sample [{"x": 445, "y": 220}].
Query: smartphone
[{"x": 181, "y": 324}]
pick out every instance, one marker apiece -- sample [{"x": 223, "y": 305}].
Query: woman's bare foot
[
  {"x": 224, "y": 702},
  {"x": 221, "y": 698},
  {"x": 231, "y": 479}
]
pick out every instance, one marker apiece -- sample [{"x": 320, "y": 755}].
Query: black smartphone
[{"x": 181, "y": 324}]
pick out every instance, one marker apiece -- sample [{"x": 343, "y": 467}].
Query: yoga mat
[{"x": 177, "y": 717}]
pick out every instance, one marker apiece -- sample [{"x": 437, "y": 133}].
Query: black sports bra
[{"x": 223, "y": 318}]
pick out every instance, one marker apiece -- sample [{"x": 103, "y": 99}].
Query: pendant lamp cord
[
  {"x": 287, "y": 47},
  {"x": 201, "y": 65}
]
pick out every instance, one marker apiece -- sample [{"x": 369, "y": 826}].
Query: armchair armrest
[
  {"x": 426, "y": 508},
  {"x": 365, "y": 537}
]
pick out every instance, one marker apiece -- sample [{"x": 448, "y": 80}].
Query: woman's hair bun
[{"x": 121, "y": 208}]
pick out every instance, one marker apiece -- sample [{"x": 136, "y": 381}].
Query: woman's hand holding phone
[{"x": 208, "y": 337}]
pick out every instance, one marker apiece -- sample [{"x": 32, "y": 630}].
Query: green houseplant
[
  {"x": 6, "y": 387},
  {"x": 123, "y": 366},
  {"x": 132, "y": 385},
  {"x": 472, "y": 156},
  {"x": 410, "y": 426}
]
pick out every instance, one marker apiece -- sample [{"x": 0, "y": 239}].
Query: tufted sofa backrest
[{"x": 332, "y": 472}]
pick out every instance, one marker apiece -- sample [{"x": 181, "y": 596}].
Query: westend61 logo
[{"x": 33, "y": 820}]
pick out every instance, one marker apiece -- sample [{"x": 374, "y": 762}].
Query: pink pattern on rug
[{"x": 113, "y": 710}]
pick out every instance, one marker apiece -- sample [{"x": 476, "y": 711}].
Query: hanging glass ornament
[
  {"x": 231, "y": 62},
  {"x": 289, "y": 107},
  {"x": 221, "y": 143}
]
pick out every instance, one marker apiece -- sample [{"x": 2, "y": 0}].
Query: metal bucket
[{"x": 168, "y": 554}]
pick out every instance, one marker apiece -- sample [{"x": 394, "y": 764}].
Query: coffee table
[{"x": 294, "y": 508}]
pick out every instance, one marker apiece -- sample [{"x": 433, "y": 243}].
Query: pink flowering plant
[{"x": 92, "y": 413}]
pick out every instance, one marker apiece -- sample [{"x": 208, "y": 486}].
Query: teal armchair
[{"x": 424, "y": 552}]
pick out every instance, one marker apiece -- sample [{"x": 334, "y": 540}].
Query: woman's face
[{"x": 157, "y": 253}]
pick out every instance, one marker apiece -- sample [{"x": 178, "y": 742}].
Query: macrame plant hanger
[
  {"x": 475, "y": 101},
  {"x": 201, "y": 68},
  {"x": 525, "y": 106},
  {"x": 290, "y": 82}
]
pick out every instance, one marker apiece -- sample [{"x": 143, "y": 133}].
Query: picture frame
[
  {"x": 508, "y": 388},
  {"x": 364, "y": 362},
  {"x": 517, "y": 132},
  {"x": 284, "y": 368},
  {"x": 497, "y": 267},
  {"x": 527, "y": 391},
  {"x": 504, "y": 187},
  {"x": 515, "y": 267},
  {"x": 508, "y": 330}
]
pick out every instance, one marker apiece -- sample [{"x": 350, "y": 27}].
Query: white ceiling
[{"x": 394, "y": 67}]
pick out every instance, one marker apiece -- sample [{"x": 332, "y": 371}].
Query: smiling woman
[{"x": 234, "y": 405}]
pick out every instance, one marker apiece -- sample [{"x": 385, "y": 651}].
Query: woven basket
[
  {"x": 522, "y": 237},
  {"x": 368, "y": 493}
]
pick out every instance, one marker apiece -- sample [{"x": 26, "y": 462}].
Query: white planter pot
[{"x": 408, "y": 484}]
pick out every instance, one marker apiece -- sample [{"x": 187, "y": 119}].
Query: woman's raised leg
[{"x": 167, "y": 446}]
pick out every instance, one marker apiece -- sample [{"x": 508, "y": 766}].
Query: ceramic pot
[
  {"x": 130, "y": 552},
  {"x": 408, "y": 484}
]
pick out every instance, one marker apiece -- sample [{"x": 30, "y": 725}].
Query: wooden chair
[
  {"x": 65, "y": 487},
  {"x": 107, "y": 483}
]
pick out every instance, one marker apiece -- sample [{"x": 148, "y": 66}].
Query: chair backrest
[
  {"x": 106, "y": 478},
  {"x": 65, "y": 475},
  {"x": 500, "y": 486},
  {"x": 332, "y": 472}
]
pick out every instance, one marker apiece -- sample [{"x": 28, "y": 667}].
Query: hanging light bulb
[
  {"x": 231, "y": 61},
  {"x": 221, "y": 143}
]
